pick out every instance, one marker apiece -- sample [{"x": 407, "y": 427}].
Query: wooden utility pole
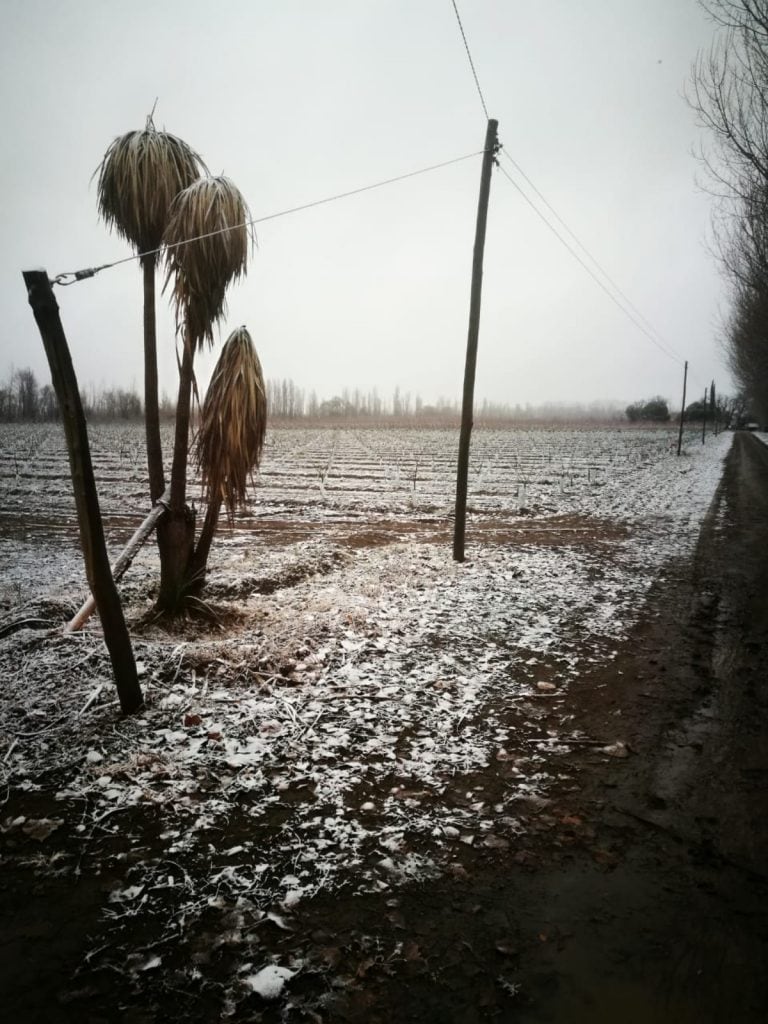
[
  {"x": 713, "y": 408},
  {"x": 462, "y": 471},
  {"x": 682, "y": 410},
  {"x": 704, "y": 419},
  {"x": 46, "y": 312}
]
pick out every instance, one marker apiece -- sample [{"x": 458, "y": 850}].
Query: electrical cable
[
  {"x": 471, "y": 62},
  {"x": 71, "y": 277},
  {"x": 625, "y": 305},
  {"x": 627, "y": 312},
  {"x": 586, "y": 251}
]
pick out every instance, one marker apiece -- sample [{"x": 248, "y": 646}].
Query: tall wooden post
[
  {"x": 713, "y": 408},
  {"x": 682, "y": 410},
  {"x": 46, "y": 312},
  {"x": 462, "y": 471},
  {"x": 704, "y": 418}
]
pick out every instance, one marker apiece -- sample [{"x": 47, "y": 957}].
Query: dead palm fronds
[
  {"x": 140, "y": 176},
  {"x": 230, "y": 438},
  {"x": 233, "y": 423},
  {"x": 211, "y": 211}
]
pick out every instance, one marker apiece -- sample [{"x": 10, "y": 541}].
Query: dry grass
[
  {"x": 201, "y": 270},
  {"x": 233, "y": 424},
  {"x": 140, "y": 176}
]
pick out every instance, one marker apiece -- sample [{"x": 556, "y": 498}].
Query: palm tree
[
  {"x": 231, "y": 436},
  {"x": 140, "y": 176},
  {"x": 206, "y": 248}
]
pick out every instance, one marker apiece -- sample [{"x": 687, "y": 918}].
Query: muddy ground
[{"x": 637, "y": 893}]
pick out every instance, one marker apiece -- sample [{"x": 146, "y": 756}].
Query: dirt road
[{"x": 638, "y": 892}]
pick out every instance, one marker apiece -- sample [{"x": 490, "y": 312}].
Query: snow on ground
[{"x": 332, "y": 736}]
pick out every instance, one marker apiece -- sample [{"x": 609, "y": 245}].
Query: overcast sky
[{"x": 299, "y": 99}]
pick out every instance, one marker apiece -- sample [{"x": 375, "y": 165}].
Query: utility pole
[
  {"x": 462, "y": 470},
  {"x": 704, "y": 418},
  {"x": 116, "y": 637},
  {"x": 713, "y": 408},
  {"x": 682, "y": 410}
]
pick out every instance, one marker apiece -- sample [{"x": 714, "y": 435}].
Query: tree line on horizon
[
  {"x": 24, "y": 399},
  {"x": 726, "y": 410}
]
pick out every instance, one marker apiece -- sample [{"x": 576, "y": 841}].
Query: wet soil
[{"x": 638, "y": 892}]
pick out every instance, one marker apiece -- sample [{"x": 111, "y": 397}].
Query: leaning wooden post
[
  {"x": 46, "y": 312},
  {"x": 682, "y": 410},
  {"x": 462, "y": 471},
  {"x": 123, "y": 562}
]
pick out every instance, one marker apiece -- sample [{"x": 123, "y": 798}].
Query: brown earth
[{"x": 637, "y": 893}]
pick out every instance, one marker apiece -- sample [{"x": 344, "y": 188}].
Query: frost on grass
[{"x": 371, "y": 712}]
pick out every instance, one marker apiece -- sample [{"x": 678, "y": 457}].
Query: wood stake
[
  {"x": 123, "y": 562},
  {"x": 46, "y": 312},
  {"x": 682, "y": 410},
  {"x": 462, "y": 471}
]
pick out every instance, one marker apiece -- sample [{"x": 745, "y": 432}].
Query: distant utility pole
[
  {"x": 682, "y": 410},
  {"x": 713, "y": 408},
  {"x": 704, "y": 419},
  {"x": 462, "y": 471}
]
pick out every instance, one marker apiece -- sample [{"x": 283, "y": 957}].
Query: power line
[
  {"x": 626, "y": 305},
  {"x": 471, "y": 62},
  {"x": 586, "y": 251},
  {"x": 627, "y": 312},
  {"x": 70, "y": 277}
]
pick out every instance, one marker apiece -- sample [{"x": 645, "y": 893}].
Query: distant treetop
[{"x": 652, "y": 410}]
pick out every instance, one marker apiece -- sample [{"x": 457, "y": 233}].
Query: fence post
[{"x": 118, "y": 642}]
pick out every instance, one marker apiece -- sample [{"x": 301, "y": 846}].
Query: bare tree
[{"x": 729, "y": 93}]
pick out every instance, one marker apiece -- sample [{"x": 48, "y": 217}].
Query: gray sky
[{"x": 296, "y": 100}]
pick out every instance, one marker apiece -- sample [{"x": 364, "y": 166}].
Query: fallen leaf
[
  {"x": 41, "y": 828},
  {"x": 506, "y": 947},
  {"x": 496, "y": 842},
  {"x": 571, "y": 819},
  {"x": 412, "y": 951},
  {"x": 617, "y": 749}
]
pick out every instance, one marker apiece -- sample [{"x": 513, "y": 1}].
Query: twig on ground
[{"x": 91, "y": 699}]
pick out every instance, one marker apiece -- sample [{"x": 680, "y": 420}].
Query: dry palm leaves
[
  {"x": 141, "y": 174},
  {"x": 213, "y": 212},
  {"x": 234, "y": 420}
]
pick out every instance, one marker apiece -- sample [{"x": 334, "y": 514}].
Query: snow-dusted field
[{"x": 340, "y": 730}]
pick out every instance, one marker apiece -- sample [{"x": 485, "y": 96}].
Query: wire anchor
[{"x": 73, "y": 276}]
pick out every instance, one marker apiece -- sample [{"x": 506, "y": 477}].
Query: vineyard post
[
  {"x": 118, "y": 642},
  {"x": 462, "y": 470},
  {"x": 704, "y": 418},
  {"x": 682, "y": 410}
]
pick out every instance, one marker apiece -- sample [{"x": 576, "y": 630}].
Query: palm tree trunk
[
  {"x": 151, "y": 406},
  {"x": 199, "y": 562},
  {"x": 176, "y": 531}
]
